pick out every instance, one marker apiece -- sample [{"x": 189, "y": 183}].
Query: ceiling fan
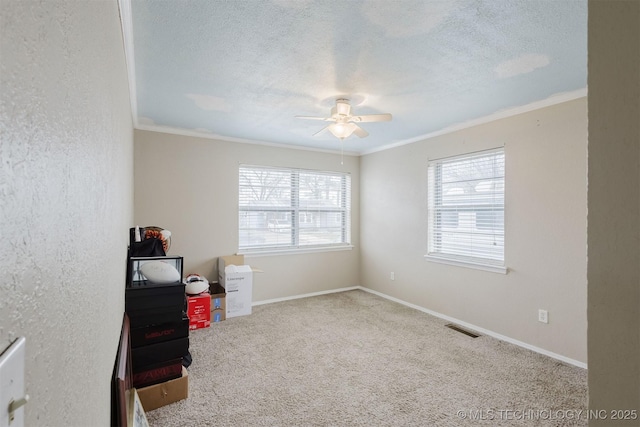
[{"x": 345, "y": 122}]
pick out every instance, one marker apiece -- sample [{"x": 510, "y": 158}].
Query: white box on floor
[{"x": 237, "y": 279}]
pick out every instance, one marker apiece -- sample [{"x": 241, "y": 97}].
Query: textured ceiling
[{"x": 242, "y": 69}]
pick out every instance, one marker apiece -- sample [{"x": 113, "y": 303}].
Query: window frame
[
  {"x": 295, "y": 210},
  {"x": 472, "y": 259}
]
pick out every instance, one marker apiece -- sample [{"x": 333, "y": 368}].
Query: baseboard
[
  {"x": 479, "y": 329},
  {"x": 312, "y": 294}
]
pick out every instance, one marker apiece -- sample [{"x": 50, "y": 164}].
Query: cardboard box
[
  {"x": 218, "y": 316},
  {"x": 237, "y": 280},
  {"x": 199, "y": 311},
  {"x": 218, "y": 302},
  {"x": 158, "y": 395},
  {"x": 158, "y": 373}
]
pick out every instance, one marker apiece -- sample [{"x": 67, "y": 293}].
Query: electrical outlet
[
  {"x": 393, "y": 276},
  {"x": 543, "y": 316}
]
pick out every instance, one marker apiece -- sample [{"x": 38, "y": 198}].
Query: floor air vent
[{"x": 462, "y": 330}]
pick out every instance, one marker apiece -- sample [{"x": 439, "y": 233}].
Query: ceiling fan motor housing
[{"x": 342, "y": 108}]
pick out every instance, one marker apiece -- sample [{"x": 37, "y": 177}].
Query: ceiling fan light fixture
[{"x": 342, "y": 130}]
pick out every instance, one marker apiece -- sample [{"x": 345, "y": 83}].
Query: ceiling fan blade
[
  {"x": 360, "y": 132},
  {"x": 321, "y": 131},
  {"x": 325, "y": 119},
  {"x": 372, "y": 118}
]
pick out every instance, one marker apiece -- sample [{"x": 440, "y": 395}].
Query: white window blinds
[
  {"x": 466, "y": 208},
  {"x": 282, "y": 208}
]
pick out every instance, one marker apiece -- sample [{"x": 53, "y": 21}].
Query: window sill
[
  {"x": 468, "y": 264},
  {"x": 270, "y": 252}
]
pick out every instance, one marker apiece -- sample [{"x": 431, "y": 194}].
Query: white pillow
[{"x": 160, "y": 272}]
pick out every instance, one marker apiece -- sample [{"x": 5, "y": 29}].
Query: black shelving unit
[{"x": 159, "y": 324}]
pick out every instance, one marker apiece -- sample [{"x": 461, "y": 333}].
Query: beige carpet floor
[{"x": 356, "y": 359}]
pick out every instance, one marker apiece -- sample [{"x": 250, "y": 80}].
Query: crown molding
[
  {"x": 126, "y": 22},
  {"x": 502, "y": 114},
  {"x": 197, "y": 134}
]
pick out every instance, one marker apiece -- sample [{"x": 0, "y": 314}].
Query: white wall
[
  {"x": 614, "y": 208},
  {"x": 66, "y": 188},
  {"x": 545, "y": 218},
  {"x": 189, "y": 185}
]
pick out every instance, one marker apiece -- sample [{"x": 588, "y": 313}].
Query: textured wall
[
  {"x": 545, "y": 220},
  {"x": 190, "y": 186},
  {"x": 66, "y": 188},
  {"x": 614, "y": 208}
]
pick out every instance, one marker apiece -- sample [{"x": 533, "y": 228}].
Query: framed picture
[
  {"x": 122, "y": 378},
  {"x": 136, "y": 417}
]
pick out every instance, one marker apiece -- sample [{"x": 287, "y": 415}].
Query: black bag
[
  {"x": 186, "y": 359},
  {"x": 146, "y": 247}
]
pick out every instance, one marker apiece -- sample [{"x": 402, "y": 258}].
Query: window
[
  {"x": 284, "y": 209},
  {"x": 466, "y": 210}
]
